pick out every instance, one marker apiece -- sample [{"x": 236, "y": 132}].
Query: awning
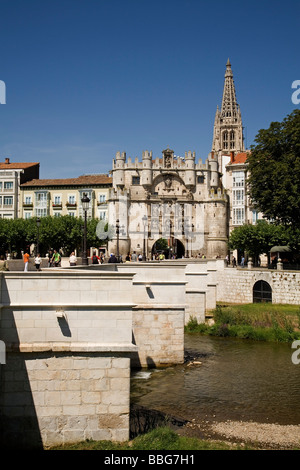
[{"x": 280, "y": 249}]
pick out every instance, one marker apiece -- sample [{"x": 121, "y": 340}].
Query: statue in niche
[
  {"x": 168, "y": 183},
  {"x": 168, "y": 161}
]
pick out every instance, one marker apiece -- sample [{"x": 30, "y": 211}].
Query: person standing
[
  {"x": 38, "y": 262},
  {"x": 26, "y": 261}
]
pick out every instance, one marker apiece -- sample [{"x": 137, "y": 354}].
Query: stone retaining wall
[{"x": 236, "y": 285}]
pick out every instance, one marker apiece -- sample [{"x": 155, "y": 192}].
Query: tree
[
  {"x": 258, "y": 239},
  {"x": 274, "y": 171}
]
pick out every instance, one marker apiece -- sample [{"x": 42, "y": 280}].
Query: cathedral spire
[
  {"x": 229, "y": 104},
  {"x": 228, "y": 127}
]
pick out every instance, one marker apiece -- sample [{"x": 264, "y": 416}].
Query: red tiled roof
[
  {"x": 80, "y": 181},
  {"x": 16, "y": 166},
  {"x": 239, "y": 158}
]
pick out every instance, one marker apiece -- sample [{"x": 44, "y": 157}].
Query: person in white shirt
[
  {"x": 72, "y": 259},
  {"x": 38, "y": 262}
]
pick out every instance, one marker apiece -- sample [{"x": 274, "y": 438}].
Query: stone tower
[{"x": 228, "y": 127}]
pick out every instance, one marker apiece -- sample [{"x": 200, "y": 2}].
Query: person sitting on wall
[
  {"x": 112, "y": 259},
  {"x": 73, "y": 259},
  {"x": 56, "y": 259},
  {"x": 3, "y": 264}
]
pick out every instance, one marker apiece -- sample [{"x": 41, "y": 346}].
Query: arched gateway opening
[
  {"x": 262, "y": 292},
  {"x": 171, "y": 249}
]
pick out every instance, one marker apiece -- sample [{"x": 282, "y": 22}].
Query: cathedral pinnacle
[{"x": 228, "y": 128}]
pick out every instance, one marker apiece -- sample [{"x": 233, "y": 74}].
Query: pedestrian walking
[{"x": 26, "y": 257}]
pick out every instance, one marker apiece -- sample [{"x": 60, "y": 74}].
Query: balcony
[
  {"x": 71, "y": 205},
  {"x": 57, "y": 205},
  {"x": 27, "y": 205}
]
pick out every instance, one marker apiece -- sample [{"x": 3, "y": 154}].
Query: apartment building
[
  {"x": 57, "y": 197},
  {"x": 12, "y": 176}
]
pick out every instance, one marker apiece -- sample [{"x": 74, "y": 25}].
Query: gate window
[{"x": 262, "y": 292}]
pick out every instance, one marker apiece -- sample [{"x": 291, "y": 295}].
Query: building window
[
  {"x": 8, "y": 201},
  {"x": 225, "y": 140},
  {"x": 238, "y": 215},
  {"x": 232, "y": 141},
  {"x": 254, "y": 217},
  {"x": 8, "y": 185},
  {"x": 57, "y": 214},
  {"x": 28, "y": 200},
  {"x": 71, "y": 214},
  {"x": 71, "y": 199},
  {"x": 238, "y": 179},
  {"x": 102, "y": 198},
  {"x": 238, "y": 197},
  {"x": 57, "y": 200},
  {"x": 27, "y": 215},
  {"x": 41, "y": 199},
  {"x": 102, "y": 215},
  {"x": 200, "y": 179},
  {"x": 135, "y": 180},
  {"x": 41, "y": 212}
]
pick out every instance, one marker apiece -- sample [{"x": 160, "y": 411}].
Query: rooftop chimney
[{"x": 7, "y": 161}]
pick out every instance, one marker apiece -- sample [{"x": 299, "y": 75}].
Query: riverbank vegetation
[
  {"x": 163, "y": 438},
  {"x": 260, "y": 322}
]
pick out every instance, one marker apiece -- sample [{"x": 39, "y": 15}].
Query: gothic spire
[
  {"x": 229, "y": 106},
  {"x": 228, "y": 127}
]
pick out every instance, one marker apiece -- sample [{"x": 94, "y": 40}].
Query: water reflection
[{"x": 237, "y": 380}]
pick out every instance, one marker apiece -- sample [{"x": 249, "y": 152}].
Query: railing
[{"x": 286, "y": 266}]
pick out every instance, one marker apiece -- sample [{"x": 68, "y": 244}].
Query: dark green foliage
[
  {"x": 54, "y": 232},
  {"x": 274, "y": 171}
]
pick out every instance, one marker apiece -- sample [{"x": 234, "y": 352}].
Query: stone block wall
[
  {"x": 56, "y": 398},
  {"x": 236, "y": 285},
  {"x": 160, "y": 333},
  {"x": 68, "y": 338}
]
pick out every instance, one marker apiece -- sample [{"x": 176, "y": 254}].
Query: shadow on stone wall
[{"x": 19, "y": 428}]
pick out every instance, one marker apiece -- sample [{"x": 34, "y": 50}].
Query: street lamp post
[
  {"x": 118, "y": 237},
  {"x": 144, "y": 219},
  {"x": 38, "y": 223},
  {"x": 85, "y": 205}
]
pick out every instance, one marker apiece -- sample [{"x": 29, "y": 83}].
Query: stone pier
[{"x": 68, "y": 340}]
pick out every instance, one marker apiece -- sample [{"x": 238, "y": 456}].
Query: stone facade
[{"x": 172, "y": 198}]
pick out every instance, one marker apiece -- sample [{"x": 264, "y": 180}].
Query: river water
[{"x": 236, "y": 380}]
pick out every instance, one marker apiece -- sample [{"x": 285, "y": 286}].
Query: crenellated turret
[
  {"x": 190, "y": 174},
  {"x": 147, "y": 168},
  {"x": 214, "y": 173},
  {"x": 119, "y": 170}
]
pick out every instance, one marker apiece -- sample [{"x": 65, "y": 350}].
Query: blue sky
[{"x": 85, "y": 79}]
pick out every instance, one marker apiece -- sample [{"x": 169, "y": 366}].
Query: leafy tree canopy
[
  {"x": 274, "y": 171},
  {"x": 64, "y": 233},
  {"x": 260, "y": 238}
]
